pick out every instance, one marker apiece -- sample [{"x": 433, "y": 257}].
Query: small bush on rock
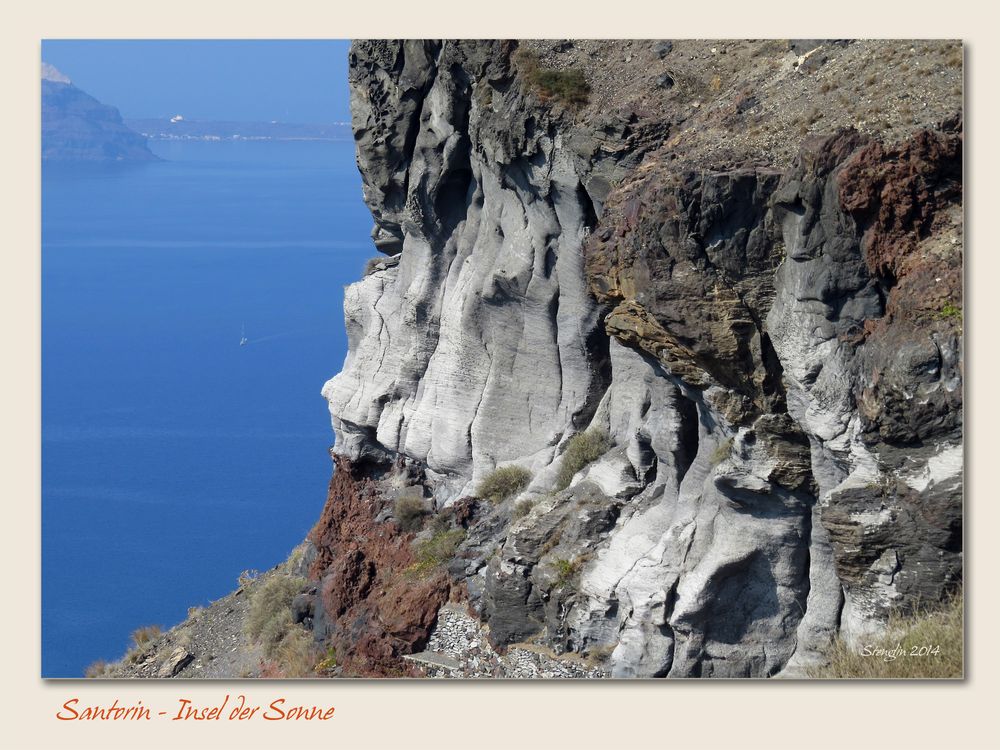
[
  {"x": 567, "y": 86},
  {"x": 566, "y": 570},
  {"x": 144, "y": 635},
  {"x": 582, "y": 449},
  {"x": 439, "y": 548},
  {"x": 503, "y": 483},
  {"x": 434, "y": 552},
  {"x": 270, "y": 615},
  {"x": 409, "y": 511},
  {"x": 951, "y": 311},
  {"x": 329, "y": 661},
  {"x": 296, "y": 652}
]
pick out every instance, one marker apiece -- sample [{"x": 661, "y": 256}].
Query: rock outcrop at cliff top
[{"x": 770, "y": 348}]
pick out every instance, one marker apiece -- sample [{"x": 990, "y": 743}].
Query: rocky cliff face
[
  {"x": 763, "y": 340},
  {"x": 76, "y": 127}
]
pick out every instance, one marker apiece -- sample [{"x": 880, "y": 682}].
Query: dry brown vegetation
[
  {"x": 925, "y": 645},
  {"x": 503, "y": 483},
  {"x": 288, "y": 647},
  {"x": 142, "y": 636},
  {"x": 410, "y": 510},
  {"x": 569, "y": 87},
  {"x": 582, "y": 449}
]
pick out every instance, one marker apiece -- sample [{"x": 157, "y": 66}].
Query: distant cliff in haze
[{"x": 77, "y": 127}]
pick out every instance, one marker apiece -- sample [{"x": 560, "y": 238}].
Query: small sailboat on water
[{"x": 243, "y": 335}]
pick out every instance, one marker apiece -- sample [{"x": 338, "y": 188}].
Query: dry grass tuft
[
  {"x": 503, "y": 483},
  {"x": 296, "y": 653},
  {"x": 582, "y": 449},
  {"x": 436, "y": 551},
  {"x": 142, "y": 636},
  {"x": 410, "y": 510},
  {"x": 270, "y": 616},
  {"x": 926, "y": 645},
  {"x": 523, "y": 507},
  {"x": 97, "y": 670}
]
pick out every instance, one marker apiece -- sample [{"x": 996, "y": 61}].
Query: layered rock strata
[{"x": 771, "y": 354}]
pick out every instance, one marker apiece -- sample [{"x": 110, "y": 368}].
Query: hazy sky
[{"x": 287, "y": 80}]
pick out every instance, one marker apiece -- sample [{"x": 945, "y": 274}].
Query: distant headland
[{"x": 77, "y": 127}]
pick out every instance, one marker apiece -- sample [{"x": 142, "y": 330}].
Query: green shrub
[
  {"x": 439, "y": 548},
  {"x": 951, "y": 312},
  {"x": 567, "y": 86},
  {"x": 582, "y": 449},
  {"x": 503, "y": 483},
  {"x": 938, "y": 630},
  {"x": 409, "y": 511},
  {"x": 434, "y": 552},
  {"x": 566, "y": 571}
]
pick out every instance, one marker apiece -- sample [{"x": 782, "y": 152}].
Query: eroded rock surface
[{"x": 773, "y": 352}]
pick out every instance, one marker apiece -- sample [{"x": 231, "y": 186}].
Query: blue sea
[{"x": 172, "y": 457}]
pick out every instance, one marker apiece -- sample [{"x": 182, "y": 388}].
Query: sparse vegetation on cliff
[
  {"x": 566, "y": 570},
  {"x": 582, "y": 449},
  {"x": 926, "y": 645},
  {"x": 569, "y": 87},
  {"x": 142, "y": 638},
  {"x": 721, "y": 452},
  {"x": 410, "y": 509},
  {"x": 294, "y": 656},
  {"x": 437, "y": 550},
  {"x": 523, "y": 507},
  {"x": 269, "y": 621},
  {"x": 503, "y": 483},
  {"x": 143, "y": 635},
  {"x": 951, "y": 311},
  {"x": 97, "y": 670}
]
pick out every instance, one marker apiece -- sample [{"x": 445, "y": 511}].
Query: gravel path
[{"x": 458, "y": 648}]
